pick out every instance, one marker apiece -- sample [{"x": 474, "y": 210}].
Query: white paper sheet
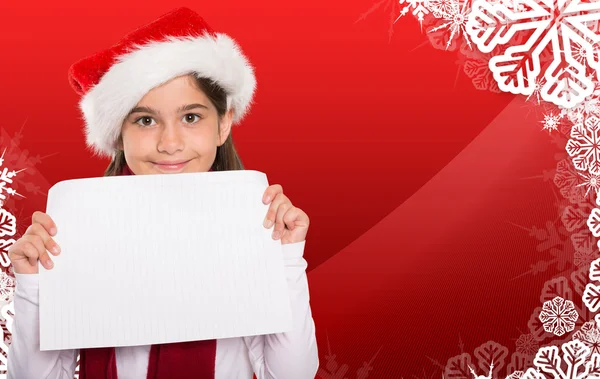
[{"x": 150, "y": 259}]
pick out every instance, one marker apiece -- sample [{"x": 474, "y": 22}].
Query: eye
[
  {"x": 144, "y": 118},
  {"x": 190, "y": 117}
]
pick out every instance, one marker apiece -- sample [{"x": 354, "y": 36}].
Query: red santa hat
[{"x": 112, "y": 81}]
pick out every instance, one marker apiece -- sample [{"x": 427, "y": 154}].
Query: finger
[
  {"x": 290, "y": 217},
  {"x": 22, "y": 249},
  {"x": 28, "y": 250},
  {"x": 271, "y": 192},
  {"x": 272, "y": 212},
  {"x": 45, "y": 220},
  {"x": 49, "y": 243},
  {"x": 41, "y": 252},
  {"x": 279, "y": 224}
]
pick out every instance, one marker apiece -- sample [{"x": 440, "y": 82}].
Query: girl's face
[{"x": 174, "y": 128}]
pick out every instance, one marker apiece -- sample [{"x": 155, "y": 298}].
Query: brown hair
[{"x": 227, "y": 157}]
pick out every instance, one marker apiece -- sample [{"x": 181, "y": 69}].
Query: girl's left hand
[{"x": 291, "y": 223}]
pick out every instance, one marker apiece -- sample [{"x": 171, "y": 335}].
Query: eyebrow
[{"x": 153, "y": 111}]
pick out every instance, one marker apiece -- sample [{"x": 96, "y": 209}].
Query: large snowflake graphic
[
  {"x": 576, "y": 362},
  {"x": 566, "y": 29},
  {"x": 559, "y": 316},
  {"x": 584, "y": 145}
]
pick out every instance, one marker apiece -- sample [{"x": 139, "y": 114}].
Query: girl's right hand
[{"x": 34, "y": 245}]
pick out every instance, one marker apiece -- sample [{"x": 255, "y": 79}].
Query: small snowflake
[
  {"x": 420, "y": 9},
  {"x": 583, "y": 257},
  {"x": 526, "y": 344},
  {"x": 584, "y": 145},
  {"x": 558, "y": 316},
  {"x": 537, "y": 87},
  {"x": 591, "y": 182},
  {"x": 455, "y": 15},
  {"x": 551, "y": 122}
]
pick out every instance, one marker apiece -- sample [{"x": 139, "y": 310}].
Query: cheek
[
  {"x": 137, "y": 144},
  {"x": 202, "y": 140}
]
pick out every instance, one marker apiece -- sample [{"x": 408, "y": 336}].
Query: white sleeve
[
  {"x": 290, "y": 355},
  {"x": 25, "y": 360}
]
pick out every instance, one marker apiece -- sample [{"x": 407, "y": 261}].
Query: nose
[{"x": 171, "y": 139}]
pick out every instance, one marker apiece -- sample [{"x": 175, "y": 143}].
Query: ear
[
  {"x": 119, "y": 143},
  {"x": 225, "y": 127}
]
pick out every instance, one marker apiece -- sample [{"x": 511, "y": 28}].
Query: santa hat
[{"x": 180, "y": 42}]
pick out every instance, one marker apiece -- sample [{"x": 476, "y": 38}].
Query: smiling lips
[{"x": 170, "y": 165}]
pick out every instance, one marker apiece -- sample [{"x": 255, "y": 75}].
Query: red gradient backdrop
[{"x": 416, "y": 183}]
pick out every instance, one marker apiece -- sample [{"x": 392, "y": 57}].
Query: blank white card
[{"x": 149, "y": 259}]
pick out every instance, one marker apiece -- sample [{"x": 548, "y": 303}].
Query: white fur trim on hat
[{"x": 218, "y": 57}]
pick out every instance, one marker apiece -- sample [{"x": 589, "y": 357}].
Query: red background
[{"x": 413, "y": 179}]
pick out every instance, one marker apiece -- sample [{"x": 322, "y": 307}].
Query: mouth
[{"x": 173, "y": 166}]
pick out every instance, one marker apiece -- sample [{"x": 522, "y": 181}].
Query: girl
[{"x": 163, "y": 100}]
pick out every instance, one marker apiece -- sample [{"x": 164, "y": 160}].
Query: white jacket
[{"x": 291, "y": 355}]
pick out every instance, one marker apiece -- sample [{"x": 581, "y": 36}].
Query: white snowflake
[
  {"x": 576, "y": 358},
  {"x": 591, "y": 182},
  {"x": 554, "y": 25},
  {"x": 591, "y": 294},
  {"x": 558, "y": 316},
  {"x": 455, "y": 14},
  {"x": 551, "y": 122},
  {"x": 584, "y": 145},
  {"x": 6, "y": 178},
  {"x": 537, "y": 87},
  {"x": 420, "y": 9},
  {"x": 8, "y": 223},
  {"x": 580, "y": 356}
]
